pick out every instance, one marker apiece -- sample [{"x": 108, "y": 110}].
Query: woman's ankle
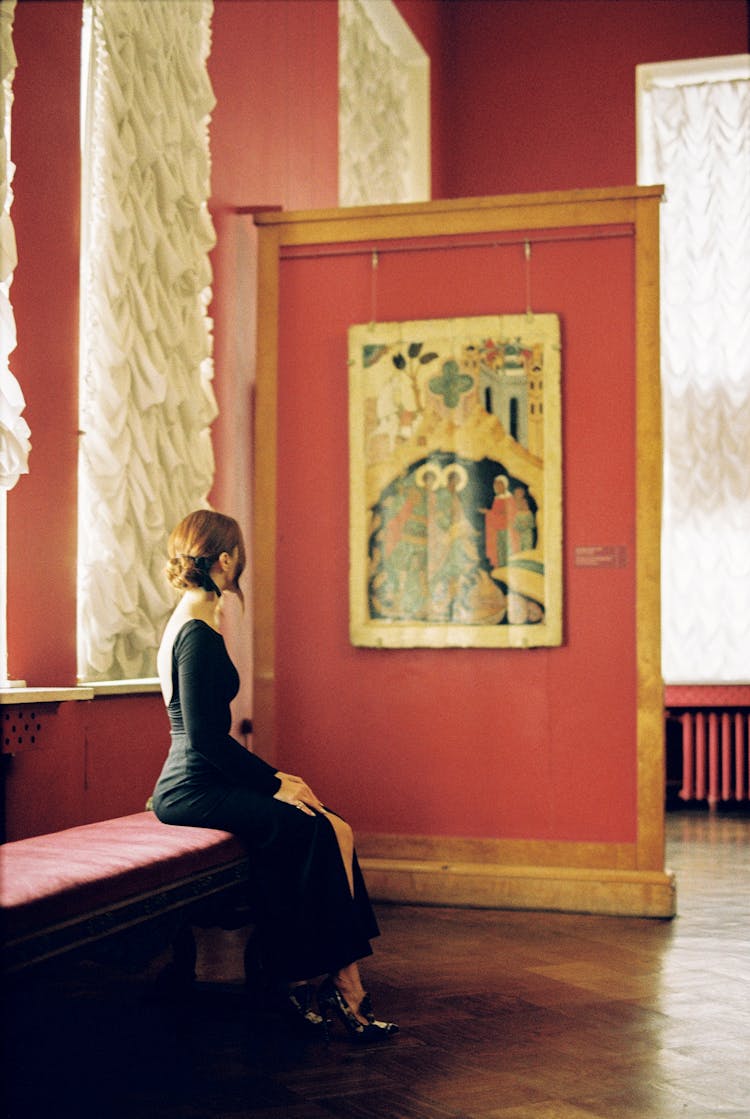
[{"x": 350, "y": 987}]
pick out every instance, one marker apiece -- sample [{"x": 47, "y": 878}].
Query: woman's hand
[{"x": 298, "y": 793}]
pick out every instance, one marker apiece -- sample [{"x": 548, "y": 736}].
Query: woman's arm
[{"x": 202, "y": 666}]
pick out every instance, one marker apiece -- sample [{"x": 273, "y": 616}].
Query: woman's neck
[{"x": 201, "y": 604}]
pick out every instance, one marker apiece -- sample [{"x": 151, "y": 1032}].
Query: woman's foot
[
  {"x": 298, "y": 1007},
  {"x": 353, "y": 994},
  {"x": 356, "y": 1016}
]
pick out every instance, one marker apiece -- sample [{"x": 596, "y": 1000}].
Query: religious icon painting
[{"x": 456, "y": 482}]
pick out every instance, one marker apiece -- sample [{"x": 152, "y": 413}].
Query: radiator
[{"x": 715, "y": 755}]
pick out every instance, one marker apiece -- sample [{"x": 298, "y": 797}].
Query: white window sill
[
  {"x": 15, "y": 694},
  {"x": 123, "y": 687}
]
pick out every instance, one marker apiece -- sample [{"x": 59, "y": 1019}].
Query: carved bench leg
[
  {"x": 179, "y": 975},
  {"x": 185, "y": 954},
  {"x": 262, "y": 989}
]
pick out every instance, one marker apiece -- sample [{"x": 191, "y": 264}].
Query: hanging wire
[
  {"x": 317, "y": 252},
  {"x": 527, "y": 256},
  {"x": 374, "y": 288}
]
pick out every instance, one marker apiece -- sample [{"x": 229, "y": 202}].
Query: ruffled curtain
[
  {"x": 699, "y": 140},
  {"x": 14, "y": 431},
  {"x": 147, "y": 400},
  {"x": 373, "y": 125}
]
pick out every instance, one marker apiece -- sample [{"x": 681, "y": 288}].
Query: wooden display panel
[{"x": 578, "y": 820}]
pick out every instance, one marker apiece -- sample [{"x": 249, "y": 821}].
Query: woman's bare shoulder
[
  {"x": 179, "y": 624},
  {"x": 174, "y": 626}
]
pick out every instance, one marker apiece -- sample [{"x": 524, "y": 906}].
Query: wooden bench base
[{"x": 121, "y": 890}]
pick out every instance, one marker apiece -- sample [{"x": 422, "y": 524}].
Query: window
[
  {"x": 146, "y": 399},
  {"x": 694, "y": 137},
  {"x": 384, "y": 107},
  {"x": 513, "y": 417}
]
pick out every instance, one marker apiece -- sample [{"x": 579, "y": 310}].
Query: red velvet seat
[{"x": 71, "y": 888}]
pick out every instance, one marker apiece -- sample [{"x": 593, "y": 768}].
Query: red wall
[
  {"x": 274, "y": 140},
  {"x": 543, "y": 93},
  {"x": 525, "y": 95},
  {"x": 274, "y": 130},
  {"x": 42, "y": 507},
  {"x": 92, "y": 759},
  {"x": 474, "y": 742}
]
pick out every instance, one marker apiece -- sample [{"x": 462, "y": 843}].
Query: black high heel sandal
[
  {"x": 299, "y": 1010},
  {"x": 331, "y": 1001}
]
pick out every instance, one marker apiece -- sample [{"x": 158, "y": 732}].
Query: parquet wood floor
[{"x": 504, "y": 1015}]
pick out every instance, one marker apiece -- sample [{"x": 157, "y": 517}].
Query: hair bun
[{"x": 181, "y": 572}]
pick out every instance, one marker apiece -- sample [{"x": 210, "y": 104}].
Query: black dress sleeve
[{"x": 206, "y": 683}]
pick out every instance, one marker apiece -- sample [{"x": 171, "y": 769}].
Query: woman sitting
[{"x": 314, "y": 917}]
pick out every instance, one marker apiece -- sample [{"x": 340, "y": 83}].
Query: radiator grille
[{"x": 715, "y": 755}]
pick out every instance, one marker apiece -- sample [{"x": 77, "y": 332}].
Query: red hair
[{"x": 196, "y": 544}]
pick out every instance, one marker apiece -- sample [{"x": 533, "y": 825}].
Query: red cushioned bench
[{"x": 130, "y": 886}]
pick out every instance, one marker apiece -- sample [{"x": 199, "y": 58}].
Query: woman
[{"x": 313, "y": 914}]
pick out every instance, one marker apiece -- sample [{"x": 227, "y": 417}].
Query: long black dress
[{"x": 309, "y": 923}]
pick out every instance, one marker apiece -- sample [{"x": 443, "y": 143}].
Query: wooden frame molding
[{"x": 583, "y": 877}]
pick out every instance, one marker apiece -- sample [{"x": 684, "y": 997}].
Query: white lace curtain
[
  {"x": 14, "y": 431},
  {"x": 147, "y": 401},
  {"x": 696, "y": 140},
  {"x": 383, "y": 107}
]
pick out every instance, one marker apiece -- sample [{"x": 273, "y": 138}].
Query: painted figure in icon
[
  {"x": 496, "y": 521},
  {"x": 426, "y": 552},
  {"x": 523, "y": 524}
]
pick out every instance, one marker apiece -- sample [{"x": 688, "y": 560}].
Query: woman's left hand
[{"x": 298, "y": 793}]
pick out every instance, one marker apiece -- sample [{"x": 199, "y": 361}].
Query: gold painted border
[{"x": 366, "y": 631}]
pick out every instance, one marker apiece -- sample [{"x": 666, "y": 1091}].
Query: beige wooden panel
[{"x": 635, "y": 882}]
